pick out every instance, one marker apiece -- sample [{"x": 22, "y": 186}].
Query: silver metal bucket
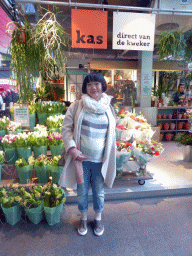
[{"x": 187, "y": 154}]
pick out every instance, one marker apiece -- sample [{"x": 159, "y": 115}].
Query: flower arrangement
[
  {"x": 22, "y": 140},
  {"x": 40, "y": 128},
  {"x": 55, "y": 139},
  {"x": 55, "y": 121},
  {"x": 122, "y": 113},
  {"x": 32, "y": 197},
  {"x": 2, "y": 158},
  {"x": 22, "y": 162},
  {"x": 40, "y": 161},
  {"x": 8, "y": 141},
  {"x": 124, "y": 146},
  {"x": 150, "y": 147},
  {"x": 4, "y": 122},
  {"x": 38, "y": 139},
  {"x": 53, "y": 195},
  {"x": 183, "y": 101},
  {"x": 13, "y": 126},
  {"x": 56, "y": 107},
  {"x": 9, "y": 196},
  {"x": 54, "y": 161},
  {"x": 189, "y": 113}
]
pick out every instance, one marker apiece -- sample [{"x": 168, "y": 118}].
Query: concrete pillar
[{"x": 144, "y": 78}]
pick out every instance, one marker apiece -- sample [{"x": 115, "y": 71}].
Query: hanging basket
[
  {"x": 25, "y": 173},
  {"x": 35, "y": 215},
  {"x": 12, "y": 214},
  {"x": 24, "y": 152},
  {"x": 53, "y": 214},
  {"x": 39, "y": 151},
  {"x": 42, "y": 173},
  {"x": 56, "y": 150}
]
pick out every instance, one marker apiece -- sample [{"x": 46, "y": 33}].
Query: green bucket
[
  {"x": 25, "y": 173},
  {"x": 35, "y": 215},
  {"x": 42, "y": 118},
  {"x": 2, "y": 133},
  {"x": 32, "y": 120},
  {"x": 0, "y": 173},
  {"x": 42, "y": 173},
  {"x": 53, "y": 214},
  {"x": 55, "y": 172},
  {"x": 14, "y": 132},
  {"x": 10, "y": 155},
  {"x": 56, "y": 150},
  {"x": 24, "y": 152},
  {"x": 12, "y": 214},
  {"x": 55, "y": 130},
  {"x": 39, "y": 151}
]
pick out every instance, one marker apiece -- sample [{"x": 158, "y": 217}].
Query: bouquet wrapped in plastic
[{"x": 123, "y": 154}]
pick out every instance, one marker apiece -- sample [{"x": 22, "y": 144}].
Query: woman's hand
[{"x": 76, "y": 154}]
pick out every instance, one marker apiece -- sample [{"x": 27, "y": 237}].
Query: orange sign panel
[{"x": 89, "y": 29}]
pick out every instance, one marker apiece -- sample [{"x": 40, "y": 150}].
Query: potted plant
[
  {"x": 32, "y": 201},
  {"x": 55, "y": 143},
  {"x": 41, "y": 168},
  {"x": 10, "y": 204},
  {"x": 54, "y": 198},
  {"x": 55, "y": 169},
  {"x": 8, "y": 143},
  {"x": 42, "y": 114},
  {"x": 13, "y": 127},
  {"x": 185, "y": 139},
  {"x": 22, "y": 144},
  {"x": 2, "y": 160},
  {"x": 4, "y": 122},
  {"x": 38, "y": 141},
  {"x": 54, "y": 123},
  {"x": 24, "y": 169}
]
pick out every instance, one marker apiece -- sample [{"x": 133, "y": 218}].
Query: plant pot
[
  {"x": 10, "y": 155},
  {"x": 170, "y": 116},
  {"x": 180, "y": 116},
  {"x": 55, "y": 130},
  {"x": 187, "y": 126},
  {"x": 25, "y": 173},
  {"x": 160, "y": 125},
  {"x": 161, "y": 137},
  {"x": 168, "y": 136},
  {"x": 179, "y": 126},
  {"x": 2, "y": 133},
  {"x": 32, "y": 120},
  {"x": 12, "y": 214},
  {"x": 39, "y": 150},
  {"x": 172, "y": 126},
  {"x": 42, "y": 118},
  {"x": 42, "y": 173},
  {"x": 55, "y": 172},
  {"x": 159, "y": 117},
  {"x": 24, "y": 152},
  {"x": 53, "y": 214},
  {"x": 164, "y": 116},
  {"x": 56, "y": 150},
  {"x": 35, "y": 215},
  {"x": 166, "y": 126}
]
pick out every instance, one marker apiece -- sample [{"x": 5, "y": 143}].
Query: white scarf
[{"x": 98, "y": 107}]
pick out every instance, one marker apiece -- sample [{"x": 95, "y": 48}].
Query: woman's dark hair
[{"x": 94, "y": 77}]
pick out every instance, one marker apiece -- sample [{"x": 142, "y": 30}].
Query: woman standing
[{"x": 90, "y": 142}]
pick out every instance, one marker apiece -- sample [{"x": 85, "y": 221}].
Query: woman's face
[
  {"x": 181, "y": 88},
  {"x": 94, "y": 90}
]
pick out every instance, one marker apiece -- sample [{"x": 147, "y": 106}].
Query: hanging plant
[
  {"x": 54, "y": 39},
  {"x": 27, "y": 59},
  {"x": 171, "y": 43}
]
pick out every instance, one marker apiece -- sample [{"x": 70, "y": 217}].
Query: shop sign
[
  {"x": 133, "y": 31},
  {"x": 21, "y": 114},
  {"x": 89, "y": 29}
]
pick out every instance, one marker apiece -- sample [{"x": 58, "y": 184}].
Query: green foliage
[
  {"x": 32, "y": 197},
  {"x": 171, "y": 43},
  {"x": 2, "y": 158},
  {"x": 10, "y": 196},
  {"x": 22, "y": 162},
  {"x": 54, "y": 161},
  {"x": 41, "y": 160},
  {"x": 183, "y": 138},
  {"x": 53, "y": 195}
]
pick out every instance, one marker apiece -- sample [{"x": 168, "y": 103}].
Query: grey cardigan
[{"x": 71, "y": 129}]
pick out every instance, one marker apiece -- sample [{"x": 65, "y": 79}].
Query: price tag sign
[{"x": 21, "y": 114}]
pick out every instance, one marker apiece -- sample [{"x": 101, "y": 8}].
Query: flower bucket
[
  {"x": 14, "y": 132},
  {"x": 53, "y": 214},
  {"x": 24, "y": 152},
  {"x": 2, "y": 133},
  {"x": 10, "y": 155},
  {"x": 25, "y": 173},
  {"x": 55, "y": 172},
  {"x": 32, "y": 120},
  {"x": 56, "y": 150},
  {"x": 122, "y": 158},
  {"x": 42, "y": 173},
  {"x": 35, "y": 215},
  {"x": 42, "y": 118},
  {"x": 40, "y": 150},
  {"x": 12, "y": 214}
]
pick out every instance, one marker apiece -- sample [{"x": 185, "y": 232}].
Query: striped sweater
[{"x": 93, "y": 135}]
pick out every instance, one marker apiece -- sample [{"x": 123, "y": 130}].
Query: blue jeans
[{"x": 92, "y": 175}]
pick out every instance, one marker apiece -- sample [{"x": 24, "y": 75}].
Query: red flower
[
  {"x": 156, "y": 153},
  {"x": 117, "y": 143}
]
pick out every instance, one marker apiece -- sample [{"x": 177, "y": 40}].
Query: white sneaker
[
  {"x": 98, "y": 228},
  {"x": 82, "y": 229}
]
